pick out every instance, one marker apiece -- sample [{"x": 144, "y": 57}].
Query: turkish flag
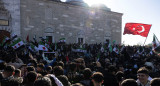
[{"x": 137, "y": 29}]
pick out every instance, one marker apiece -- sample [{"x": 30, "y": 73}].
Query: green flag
[
  {"x": 17, "y": 43},
  {"x": 98, "y": 56},
  {"x": 55, "y": 46},
  {"x": 110, "y": 47},
  {"x": 5, "y": 38},
  {"x": 62, "y": 40},
  {"x": 155, "y": 42}
]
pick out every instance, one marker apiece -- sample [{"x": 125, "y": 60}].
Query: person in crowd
[
  {"x": 129, "y": 82},
  {"x": 64, "y": 80},
  {"x": 151, "y": 74},
  {"x": 72, "y": 73},
  {"x": 23, "y": 70},
  {"x": 30, "y": 68},
  {"x": 17, "y": 62},
  {"x": 87, "y": 73},
  {"x": 155, "y": 82},
  {"x": 30, "y": 78},
  {"x": 7, "y": 75},
  {"x": 41, "y": 70},
  {"x": 14, "y": 82},
  {"x": 120, "y": 76},
  {"x": 120, "y": 68},
  {"x": 109, "y": 76},
  {"x": 60, "y": 63},
  {"x": 32, "y": 62},
  {"x": 2, "y": 67},
  {"x": 17, "y": 73},
  {"x": 142, "y": 75},
  {"x": 49, "y": 70},
  {"x": 77, "y": 67},
  {"x": 44, "y": 81},
  {"x": 58, "y": 70},
  {"x": 55, "y": 81},
  {"x": 97, "y": 78},
  {"x": 77, "y": 84}
]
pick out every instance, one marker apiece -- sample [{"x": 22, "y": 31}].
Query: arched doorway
[
  {"x": 81, "y": 37},
  {"x": 4, "y": 33}
]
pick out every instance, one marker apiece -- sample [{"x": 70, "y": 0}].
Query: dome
[
  {"x": 101, "y": 6},
  {"x": 77, "y": 2},
  {"x": 74, "y": 0}
]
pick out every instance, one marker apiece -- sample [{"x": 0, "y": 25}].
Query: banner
[
  {"x": 155, "y": 42},
  {"x": 137, "y": 29},
  {"x": 17, "y": 43},
  {"x": 79, "y": 50}
]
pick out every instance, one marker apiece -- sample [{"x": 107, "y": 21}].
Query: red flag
[
  {"x": 137, "y": 29},
  {"x": 27, "y": 39},
  {"x": 67, "y": 58}
]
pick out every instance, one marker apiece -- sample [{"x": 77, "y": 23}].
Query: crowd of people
[{"x": 99, "y": 65}]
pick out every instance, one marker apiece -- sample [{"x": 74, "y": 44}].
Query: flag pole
[
  {"x": 147, "y": 35},
  {"x": 145, "y": 40}
]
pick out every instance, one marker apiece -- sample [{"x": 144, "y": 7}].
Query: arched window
[{"x": 49, "y": 34}]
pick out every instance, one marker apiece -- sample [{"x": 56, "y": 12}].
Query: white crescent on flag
[
  {"x": 143, "y": 29},
  {"x": 137, "y": 29}
]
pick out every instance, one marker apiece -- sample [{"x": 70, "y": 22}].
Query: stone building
[{"x": 73, "y": 20}]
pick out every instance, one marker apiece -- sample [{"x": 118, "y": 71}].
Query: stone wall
[
  {"x": 61, "y": 20},
  {"x": 13, "y": 6}
]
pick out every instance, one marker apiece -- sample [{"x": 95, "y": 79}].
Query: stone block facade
[
  {"x": 13, "y": 6},
  {"x": 61, "y": 20}
]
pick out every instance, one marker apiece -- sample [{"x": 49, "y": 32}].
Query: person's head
[
  {"x": 77, "y": 84},
  {"x": 142, "y": 75},
  {"x": 64, "y": 80},
  {"x": 155, "y": 82},
  {"x": 30, "y": 68},
  {"x": 107, "y": 60},
  {"x": 44, "y": 81},
  {"x": 58, "y": 70},
  {"x": 120, "y": 76},
  {"x": 31, "y": 76},
  {"x": 112, "y": 69},
  {"x": 51, "y": 78},
  {"x": 23, "y": 69},
  {"x": 129, "y": 82},
  {"x": 61, "y": 64},
  {"x": 49, "y": 69},
  {"x": 32, "y": 63},
  {"x": 14, "y": 82},
  {"x": 40, "y": 67},
  {"x": 120, "y": 68},
  {"x": 17, "y": 73},
  {"x": 73, "y": 66},
  {"x": 8, "y": 71},
  {"x": 87, "y": 73},
  {"x": 97, "y": 78}
]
